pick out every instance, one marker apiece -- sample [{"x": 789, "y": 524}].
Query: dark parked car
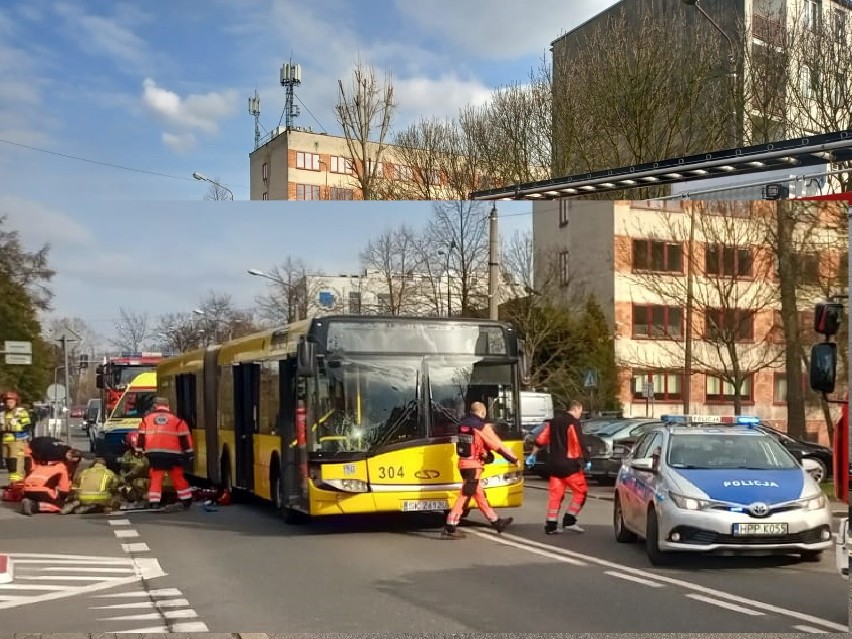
[
  {"x": 610, "y": 443},
  {"x": 805, "y": 450},
  {"x": 590, "y": 427}
]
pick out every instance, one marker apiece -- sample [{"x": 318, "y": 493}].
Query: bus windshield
[
  {"x": 134, "y": 404},
  {"x": 367, "y": 403}
]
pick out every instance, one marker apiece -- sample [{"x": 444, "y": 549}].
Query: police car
[{"x": 712, "y": 484}]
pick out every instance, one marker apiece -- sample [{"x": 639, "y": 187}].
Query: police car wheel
[
  {"x": 652, "y": 541},
  {"x": 811, "y": 555},
  {"x": 622, "y": 534}
]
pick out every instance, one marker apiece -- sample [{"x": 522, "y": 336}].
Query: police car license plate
[
  {"x": 425, "y": 505},
  {"x": 759, "y": 530}
]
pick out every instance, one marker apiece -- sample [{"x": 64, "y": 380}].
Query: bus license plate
[
  {"x": 759, "y": 530},
  {"x": 425, "y": 505}
]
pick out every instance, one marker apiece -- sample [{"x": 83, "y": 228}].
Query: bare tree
[
  {"x": 221, "y": 320},
  {"x": 216, "y": 191},
  {"x": 179, "y": 332},
  {"x": 423, "y": 148},
  {"x": 365, "y": 113},
  {"x": 394, "y": 255},
  {"x": 461, "y": 228},
  {"x": 132, "y": 330},
  {"x": 288, "y": 297},
  {"x": 733, "y": 294}
]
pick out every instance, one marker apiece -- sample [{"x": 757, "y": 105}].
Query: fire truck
[
  {"x": 115, "y": 373},
  {"x": 822, "y": 373}
]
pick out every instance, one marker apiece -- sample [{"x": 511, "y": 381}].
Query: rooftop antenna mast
[
  {"x": 291, "y": 77},
  {"x": 254, "y": 111}
]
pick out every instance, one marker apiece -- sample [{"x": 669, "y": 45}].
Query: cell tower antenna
[
  {"x": 291, "y": 77},
  {"x": 254, "y": 110}
]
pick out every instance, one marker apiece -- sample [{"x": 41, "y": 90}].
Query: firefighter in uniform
[
  {"x": 477, "y": 440},
  {"x": 567, "y": 461},
  {"x": 167, "y": 443},
  {"x": 135, "y": 470},
  {"x": 46, "y": 488},
  {"x": 96, "y": 489},
  {"x": 14, "y": 425}
]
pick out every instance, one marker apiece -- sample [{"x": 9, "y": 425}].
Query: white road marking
[
  {"x": 70, "y": 578},
  {"x": 137, "y": 547},
  {"x": 506, "y": 542},
  {"x": 119, "y": 522},
  {"x": 93, "y": 561},
  {"x": 163, "y": 603},
  {"x": 30, "y": 587},
  {"x": 189, "y": 626},
  {"x": 148, "y": 568},
  {"x": 121, "y": 533},
  {"x": 80, "y": 569},
  {"x": 810, "y": 629},
  {"x": 162, "y": 592},
  {"x": 165, "y": 614},
  {"x": 532, "y": 546},
  {"x": 638, "y": 580},
  {"x": 726, "y": 604}
]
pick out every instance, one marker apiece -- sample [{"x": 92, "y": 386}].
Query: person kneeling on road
[
  {"x": 96, "y": 490},
  {"x": 476, "y": 441},
  {"x": 567, "y": 462},
  {"x": 46, "y": 488},
  {"x": 167, "y": 443},
  {"x": 135, "y": 472}
]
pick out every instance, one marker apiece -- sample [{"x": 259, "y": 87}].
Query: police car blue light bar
[{"x": 731, "y": 420}]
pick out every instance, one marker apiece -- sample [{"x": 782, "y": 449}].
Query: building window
[
  {"x": 338, "y": 193},
  {"x": 564, "y": 269},
  {"x": 779, "y": 388},
  {"x": 307, "y": 192},
  {"x": 651, "y": 322},
  {"x": 666, "y": 386},
  {"x": 341, "y": 165},
  {"x": 656, "y": 255},
  {"x": 839, "y": 25},
  {"x": 811, "y": 14},
  {"x": 384, "y": 302},
  {"x": 809, "y": 81},
  {"x": 309, "y": 161},
  {"x": 432, "y": 177},
  {"x": 355, "y": 302},
  {"x": 719, "y": 390},
  {"x": 563, "y": 213},
  {"x": 728, "y": 261},
  {"x": 265, "y": 195},
  {"x": 729, "y": 324},
  {"x": 403, "y": 173},
  {"x": 265, "y": 171},
  {"x": 807, "y": 268}
]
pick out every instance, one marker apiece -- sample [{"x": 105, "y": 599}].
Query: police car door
[
  {"x": 630, "y": 502},
  {"x": 648, "y": 481}
]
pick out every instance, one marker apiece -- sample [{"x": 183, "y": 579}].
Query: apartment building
[
  {"x": 300, "y": 164},
  {"x": 634, "y": 257}
]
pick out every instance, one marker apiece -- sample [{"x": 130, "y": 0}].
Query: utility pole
[
  {"x": 67, "y": 388},
  {"x": 493, "y": 263}
]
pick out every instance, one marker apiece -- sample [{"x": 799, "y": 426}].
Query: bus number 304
[{"x": 390, "y": 472}]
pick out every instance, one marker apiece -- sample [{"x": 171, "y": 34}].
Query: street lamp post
[
  {"x": 448, "y": 253},
  {"x": 288, "y": 287},
  {"x": 199, "y": 176}
]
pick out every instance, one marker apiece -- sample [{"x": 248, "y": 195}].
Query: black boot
[
  {"x": 550, "y": 528},
  {"x": 451, "y": 532},
  {"x": 501, "y": 524}
]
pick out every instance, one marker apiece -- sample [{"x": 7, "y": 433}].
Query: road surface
[{"x": 241, "y": 569}]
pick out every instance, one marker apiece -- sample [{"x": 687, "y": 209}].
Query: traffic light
[
  {"x": 84, "y": 360},
  {"x": 827, "y": 317}
]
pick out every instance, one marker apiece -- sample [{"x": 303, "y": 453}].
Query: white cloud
[
  {"x": 181, "y": 142},
  {"x": 500, "y": 29},
  {"x": 440, "y": 97},
  {"x": 198, "y": 112},
  {"x": 101, "y": 35},
  {"x": 39, "y": 224}
]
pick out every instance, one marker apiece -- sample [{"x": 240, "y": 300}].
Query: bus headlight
[
  {"x": 504, "y": 479},
  {"x": 347, "y": 485}
]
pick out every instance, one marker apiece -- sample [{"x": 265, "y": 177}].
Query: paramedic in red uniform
[
  {"x": 567, "y": 460},
  {"x": 476, "y": 441},
  {"x": 46, "y": 488},
  {"x": 167, "y": 443}
]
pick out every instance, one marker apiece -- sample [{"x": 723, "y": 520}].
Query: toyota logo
[
  {"x": 427, "y": 474},
  {"x": 759, "y": 509}
]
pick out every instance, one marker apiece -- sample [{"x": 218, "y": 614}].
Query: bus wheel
[{"x": 275, "y": 487}]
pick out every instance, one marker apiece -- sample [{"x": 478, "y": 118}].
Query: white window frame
[{"x": 307, "y": 161}]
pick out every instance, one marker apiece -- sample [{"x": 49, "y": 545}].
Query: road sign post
[
  {"x": 590, "y": 382},
  {"x": 648, "y": 392}
]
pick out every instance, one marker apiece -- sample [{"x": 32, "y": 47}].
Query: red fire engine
[{"x": 115, "y": 373}]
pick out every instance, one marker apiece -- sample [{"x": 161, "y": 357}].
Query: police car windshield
[{"x": 727, "y": 451}]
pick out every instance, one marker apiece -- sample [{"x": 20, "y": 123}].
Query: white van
[{"x": 535, "y": 408}]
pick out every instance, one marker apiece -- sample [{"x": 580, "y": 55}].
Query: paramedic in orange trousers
[
  {"x": 476, "y": 441},
  {"x": 167, "y": 443},
  {"x": 567, "y": 461}
]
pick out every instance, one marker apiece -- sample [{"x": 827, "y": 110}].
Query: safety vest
[
  {"x": 49, "y": 479},
  {"x": 15, "y": 421},
  {"x": 96, "y": 484},
  {"x": 134, "y": 466},
  {"x": 161, "y": 432}
]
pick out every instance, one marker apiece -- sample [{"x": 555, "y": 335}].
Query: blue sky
[{"x": 163, "y": 87}]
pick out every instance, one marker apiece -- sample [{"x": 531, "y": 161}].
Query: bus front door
[
  {"x": 293, "y": 436},
  {"x": 246, "y": 400}
]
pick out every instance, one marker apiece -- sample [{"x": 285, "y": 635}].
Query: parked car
[
  {"x": 609, "y": 444},
  {"x": 801, "y": 449},
  {"x": 77, "y": 412},
  {"x": 92, "y": 417},
  {"x": 590, "y": 426}
]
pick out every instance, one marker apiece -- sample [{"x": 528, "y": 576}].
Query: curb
[
  {"x": 255, "y": 635},
  {"x": 5, "y": 569}
]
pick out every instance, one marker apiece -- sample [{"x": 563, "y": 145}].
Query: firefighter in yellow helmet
[
  {"x": 96, "y": 489},
  {"x": 14, "y": 425}
]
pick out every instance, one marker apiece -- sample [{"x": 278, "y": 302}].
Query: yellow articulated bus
[{"x": 350, "y": 414}]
